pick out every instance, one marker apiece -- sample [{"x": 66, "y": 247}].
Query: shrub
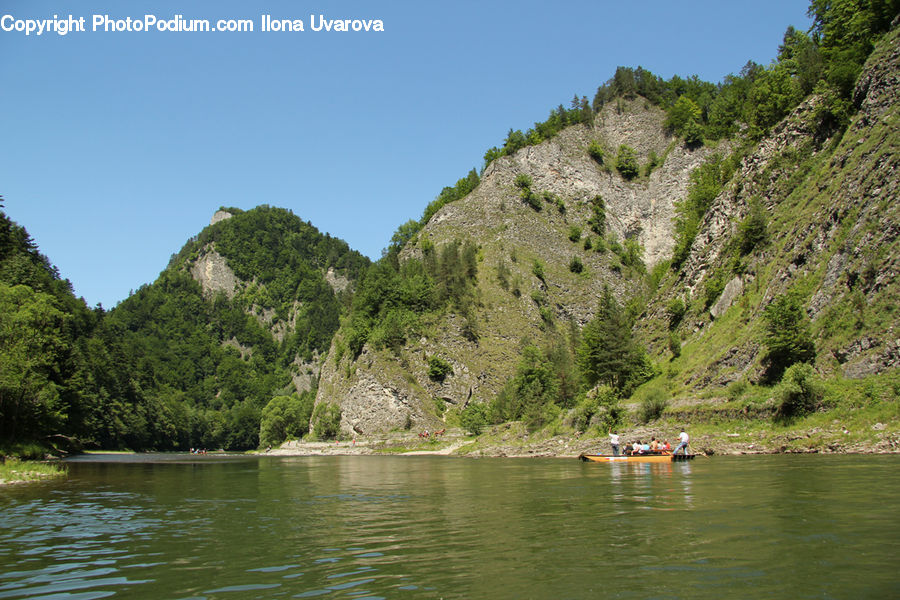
[
  {"x": 438, "y": 368},
  {"x": 597, "y": 220},
  {"x": 473, "y": 418},
  {"x": 753, "y": 230},
  {"x": 537, "y": 268},
  {"x": 713, "y": 288},
  {"x": 574, "y": 233},
  {"x": 626, "y": 162},
  {"x": 575, "y": 265},
  {"x": 653, "y": 405},
  {"x": 675, "y": 309},
  {"x": 523, "y": 181},
  {"x": 799, "y": 392},
  {"x": 675, "y": 344},
  {"x": 788, "y": 339},
  {"x": 595, "y": 151},
  {"x": 326, "y": 420},
  {"x": 584, "y": 411}
]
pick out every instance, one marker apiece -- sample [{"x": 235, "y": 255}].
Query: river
[{"x": 354, "y": 527}]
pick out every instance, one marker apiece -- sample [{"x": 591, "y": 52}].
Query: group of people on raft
[{"x": 654, "y": 447}]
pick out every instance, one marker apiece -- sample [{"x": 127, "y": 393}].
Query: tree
[
  {"x": 32, "y": 343},
  {"x": 683, "y": 115},
  {"x": 285, "y": 417},
  {"x": 788, "y": 339},
  {"x": 799, "y": 392},
  {"x": 473, "y": 418},
  {"x": 607, "y": 353},
  {"x": 753, "y": 230},
  {"x": 626, "y": 162},
  {"x": 326, "y": 421}
]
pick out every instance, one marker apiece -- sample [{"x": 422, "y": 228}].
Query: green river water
[{"x": 235, "y": 527}]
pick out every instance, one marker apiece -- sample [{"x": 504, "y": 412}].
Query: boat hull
[{"x": 637, "y": 458}]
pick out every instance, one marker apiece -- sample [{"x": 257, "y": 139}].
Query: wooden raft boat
[{"x": 637, "y": 458}]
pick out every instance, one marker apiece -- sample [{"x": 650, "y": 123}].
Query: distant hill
[{"x": 243, "y": 313}]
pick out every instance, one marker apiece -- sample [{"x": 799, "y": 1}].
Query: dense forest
[
  {"x": 170, "y": 366},
  {"x": 176, "y": 365}
]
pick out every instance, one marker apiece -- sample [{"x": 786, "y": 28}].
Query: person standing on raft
[
  {"x": 614, "y": 442},
  {"x": 683, "y": 443}
]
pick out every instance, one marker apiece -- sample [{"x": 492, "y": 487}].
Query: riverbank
[
  {"x": 734, "y": 437},
  {"x": 14, "y": 471}
]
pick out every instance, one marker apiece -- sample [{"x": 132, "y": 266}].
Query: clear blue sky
[{"x": 118, "y": 147}]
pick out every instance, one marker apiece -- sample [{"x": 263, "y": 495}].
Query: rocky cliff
[
  {"x": 382, "y": 390},
  {"x": 830, "y": 199},
  {"x": 828, "y": 195}
]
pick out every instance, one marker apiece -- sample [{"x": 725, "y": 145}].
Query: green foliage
[
  {"x": 531, "y": 389},
  {"x": 675, "y": 344},
  {"x": 799, "y": 392},
  {"x": 391, "y": 298},
  {"x": 463, "y": 188},
  {"x": 545, "y": 381},
  {"x": 706, "y": 181},
  {"x": 595, "y": 151},
  {"x": 675, "y": 309},
  {"x": 285, "y": 418},
  {"x": 474, "y": 418},
  {"x": 579, "y": 112},
  {"x": 653, "y": 161},
  {"x": 713, "y": 286},
  {"x": 574, "y": 233},
  {"x": 603, "y": 404},
  {"x": 537, "y": 269},
  {"x": 597, "y": 220},
  {"x": 503, "y": 274},
  {"x": 683, "y": 116},
  {"x": 788, "y": 339},
  {"x": 438, "y": 368},
  {"x": 753, "y": 230},
  {"x": 532, "y": 199},
  {"x": 575, "y": 265},
  {"x": 846, "y": 31},
  {"x": 32, "y": 342},
  {"x": 584, "y": 412},
  {"x": 607, "y": 353},
  {"x": 626, "y": 162},
  {"x": 632, "y": 255},
  {"x": 523, "y": 181},
  {"x": 326, "y": 421},
  {"x": 653, "y": 405}
]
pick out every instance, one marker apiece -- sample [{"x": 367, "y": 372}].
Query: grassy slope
[{"x": 833, "y": 222}]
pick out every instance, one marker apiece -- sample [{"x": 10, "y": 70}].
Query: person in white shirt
[
  {"x": 683, "y": 443},
  {"x": 614, "y": 442}
]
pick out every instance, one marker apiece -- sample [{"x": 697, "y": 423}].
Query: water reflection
[{"x": 427, "y": 527}]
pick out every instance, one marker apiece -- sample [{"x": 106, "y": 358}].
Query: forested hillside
[{"x": 190, "y": 360}]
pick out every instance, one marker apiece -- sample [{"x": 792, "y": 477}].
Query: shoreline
[{"x": 511, "y": 442}]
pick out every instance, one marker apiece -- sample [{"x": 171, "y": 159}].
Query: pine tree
[{"x": 607, "y": 353}]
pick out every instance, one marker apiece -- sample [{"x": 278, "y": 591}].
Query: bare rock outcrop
[{"x": 211, "y": 270}]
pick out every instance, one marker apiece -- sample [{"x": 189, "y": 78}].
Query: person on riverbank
[
  {"x": 683, "y": 442},
  {"x": 614, "y": 441}
]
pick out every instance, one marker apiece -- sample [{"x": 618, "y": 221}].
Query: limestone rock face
[
  {"x": 382, "y": 390},
  {"x": 214, "y": 275},
  {"x": 220, "y": 215}
]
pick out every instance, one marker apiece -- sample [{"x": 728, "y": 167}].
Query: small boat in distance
[{"x": 637, "y": 458}]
